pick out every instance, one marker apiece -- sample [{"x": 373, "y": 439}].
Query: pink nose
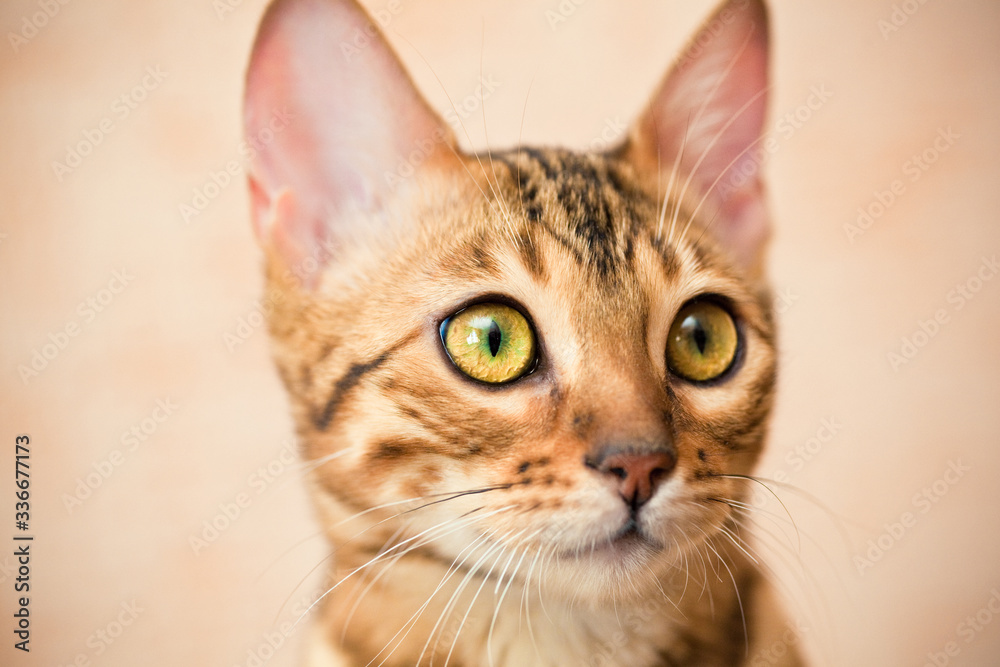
[{"x": 638, "y": 473}]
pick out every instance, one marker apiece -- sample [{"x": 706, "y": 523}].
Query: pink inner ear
[
  {"x": 354, "y": 113},
  {"x": 708, "y": 116}
]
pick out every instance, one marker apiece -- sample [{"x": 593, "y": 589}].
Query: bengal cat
[{"x": 528, "y": 384}]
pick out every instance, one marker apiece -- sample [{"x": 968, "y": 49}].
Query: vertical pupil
[
  {"x": 494, "y": 338},
  {"x": 699, "y": 335}
]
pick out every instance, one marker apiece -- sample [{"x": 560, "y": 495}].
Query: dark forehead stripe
[
  {"x": 598, "y": 203},
  {"x": 532, "y": 177},
  {"x": 529, "y": 254}
]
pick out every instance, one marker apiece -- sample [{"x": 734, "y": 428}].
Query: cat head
[{"x": 567, "y": 356}]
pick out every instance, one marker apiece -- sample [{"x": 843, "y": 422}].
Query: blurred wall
[{"x": 148, "y": 424}]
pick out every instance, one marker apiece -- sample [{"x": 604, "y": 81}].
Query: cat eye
[
  {"x": 702, "y": 342},
  {"x": 490, "y": 342}
]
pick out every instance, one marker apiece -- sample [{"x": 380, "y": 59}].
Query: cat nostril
[{"x": 638, "y": 473}]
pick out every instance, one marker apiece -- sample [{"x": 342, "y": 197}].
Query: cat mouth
[
  {"x": 629, "y": 541},
  {"x": 631, "y": 536}
]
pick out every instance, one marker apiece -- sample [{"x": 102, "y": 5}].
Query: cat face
[{"x": 535, "y": 363}]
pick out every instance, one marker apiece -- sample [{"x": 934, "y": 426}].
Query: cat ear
[
  {"x": 704, "y": 122},
  {"x": 329, "y": 113}
]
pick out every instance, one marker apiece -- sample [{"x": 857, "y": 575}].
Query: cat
[{"x": 528, "y": 384}]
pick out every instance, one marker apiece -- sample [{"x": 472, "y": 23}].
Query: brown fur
[
  {"x": 416, "y": 428},
  {"x": 465, "y": 521}
]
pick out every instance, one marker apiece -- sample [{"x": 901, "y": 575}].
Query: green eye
[
  {"x": 702, "y": 342},
  {"x": 490, "y": 342}
]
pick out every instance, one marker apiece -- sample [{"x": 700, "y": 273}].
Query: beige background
[{"x": 846, "y": 305}]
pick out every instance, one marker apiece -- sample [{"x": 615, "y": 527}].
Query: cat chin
[
  {"x": 612, "y": 575},
  {"x": 614, "y": 571}
]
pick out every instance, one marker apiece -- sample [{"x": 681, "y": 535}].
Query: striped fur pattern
[
  {"x": 467, "y": 526},
  {"x": 475, "y": 485}
]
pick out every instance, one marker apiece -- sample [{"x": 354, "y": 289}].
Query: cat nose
[{"x": 638, "y": 472}]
